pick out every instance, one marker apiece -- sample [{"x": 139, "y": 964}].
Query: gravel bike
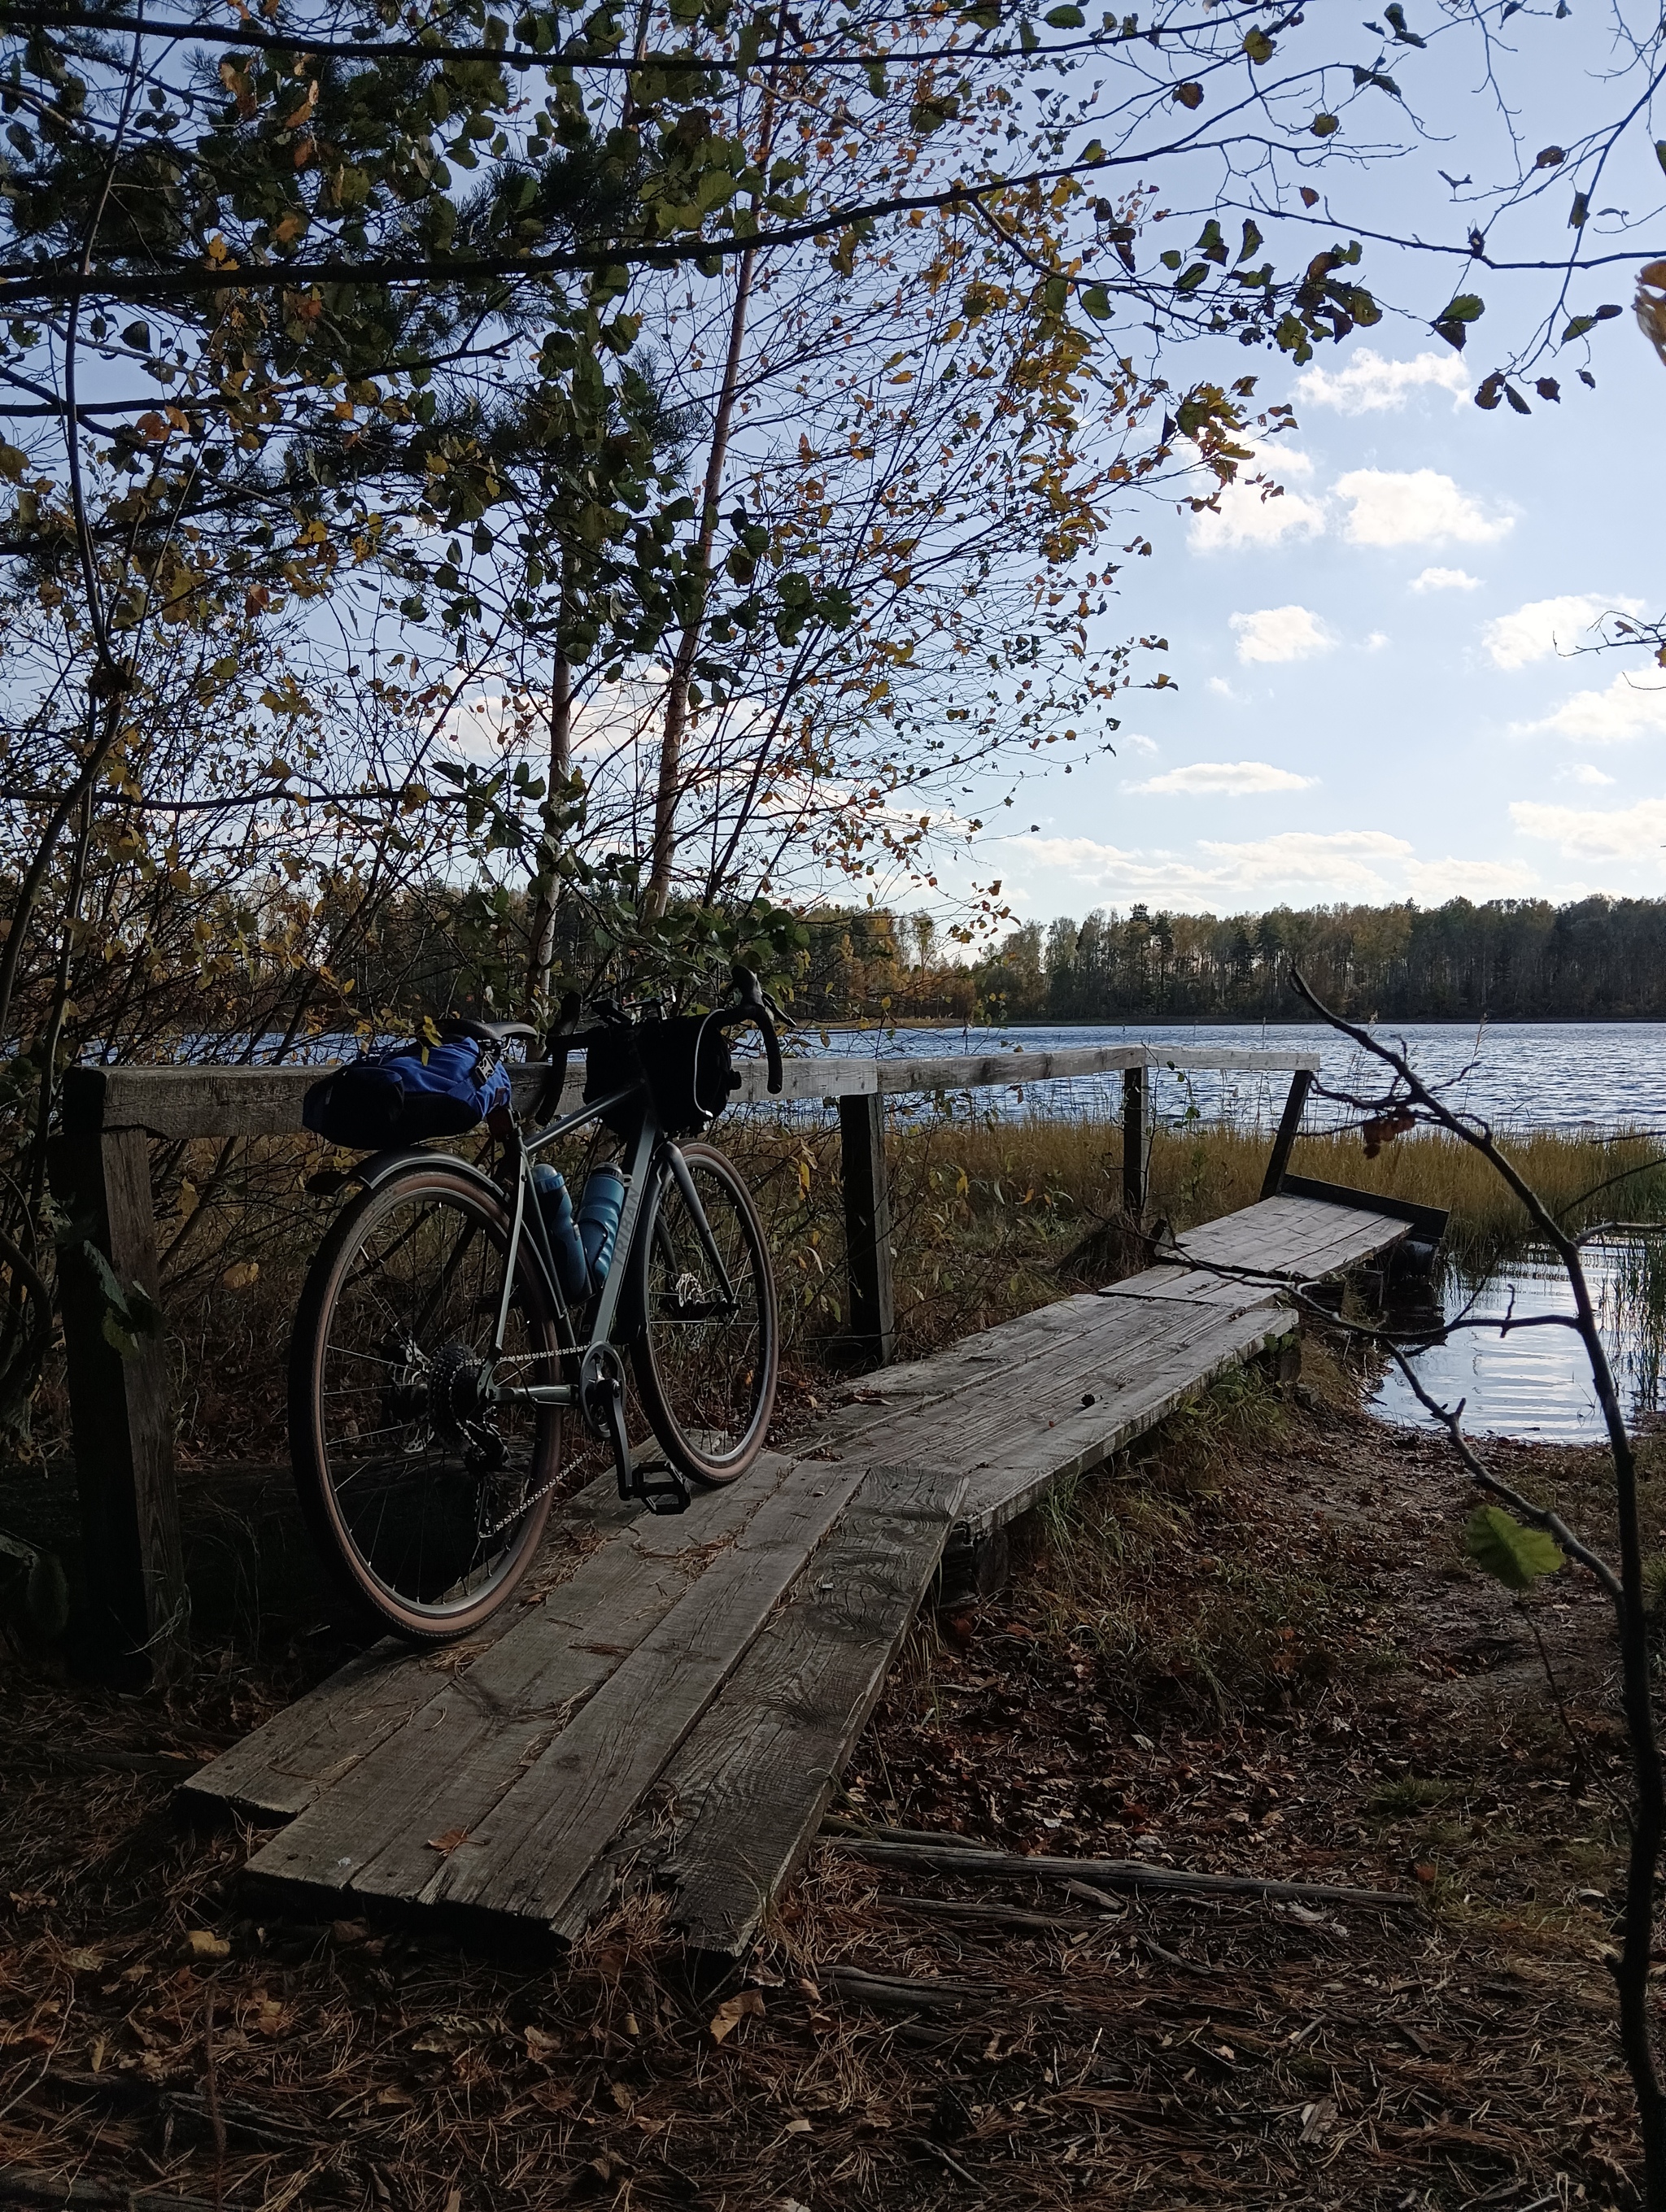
[{"x": 436, "y": 1350}]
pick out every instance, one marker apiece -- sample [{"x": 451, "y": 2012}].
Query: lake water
[
  {"x": 1540, "y": 1074},
  {"x": 1535, "y": 1382}
]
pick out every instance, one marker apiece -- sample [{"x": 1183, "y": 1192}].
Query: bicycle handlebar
[{"x": 755, "y": 1007}]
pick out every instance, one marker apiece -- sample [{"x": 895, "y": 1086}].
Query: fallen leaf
[
  {"x": 454, "y": 2201},
  {"x": 270, "y": 2017},
  {"x": 621, "y": 2096},
  {"x": 797, "y": 2128},
  {"x": 540, "y": 2045},
  {"x": 349, "y": 1931},
  {"x": 83, "y": 1962},
  {"x": 732, "y": 2011},
  {"x": 448, "y": 1842},
  {"x": 201, "y": 1944}
]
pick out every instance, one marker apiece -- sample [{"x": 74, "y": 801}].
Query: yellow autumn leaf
[{"x": 746, "y": 2004}]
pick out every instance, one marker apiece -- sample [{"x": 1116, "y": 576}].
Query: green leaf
[
  {"x": 1095, "y": 302},
  {"x": 1064, "y": 19},
  {"x": 1193, "y": 277},
  {"x": 1465, "y": 309},
  {"x": 1251, "y": 240},
  {"x": 1513, "y": 1555},
  {"x": 1578, "y": 212},
  {"x": 1323, "y": 125},
  {"x": 1258, "y": 45},
  {"x": 1660, "y": 152},
  {"x": 1172, "y": 259}
]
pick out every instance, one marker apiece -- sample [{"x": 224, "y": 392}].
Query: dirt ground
[{"x": 1256, "y": 1647}]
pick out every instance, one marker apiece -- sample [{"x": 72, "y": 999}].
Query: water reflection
[{"x": 1535, "y": 1382}]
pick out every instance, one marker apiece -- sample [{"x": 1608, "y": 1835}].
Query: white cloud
[
  {"x": 1445, "y": 580},
  {"x": 1135, "y": 745},
  {"x": 1620, "y": 833},
  {"x": 1301, "y": 863},
  {"x": 1585, "y": 772},
  {"x": 1239, "y": 778},
  {"x": 1433, "y": 882},
  {"x": 1260, "y": 514},
  {"x": 1414, "y": 506},
  {"x": 1626, "y": 709},
  {"x": 1370, "y": 383},
  {"x": 1377, "y": 640},
  {"x": 1221, "y": 688},
  {"x": 1281, "y": 633},
  {"x": 1545, "y": 627}
]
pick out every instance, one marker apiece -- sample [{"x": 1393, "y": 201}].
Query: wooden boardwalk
[{"x": 677, "y": 1711}]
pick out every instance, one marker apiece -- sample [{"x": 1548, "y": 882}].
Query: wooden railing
[{"x": 120, "y": 1396}]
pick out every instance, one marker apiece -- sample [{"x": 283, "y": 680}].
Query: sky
[
  {"x": 1379, "y": 687},
  {"x": 1380, "y": 690}
]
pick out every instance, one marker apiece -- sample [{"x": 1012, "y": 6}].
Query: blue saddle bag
[{"x": 400, "y": 1097}]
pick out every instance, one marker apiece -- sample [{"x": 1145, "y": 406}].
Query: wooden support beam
[
  {"x": 1290, "y": 1122},
  {"x": 1133, "y": 1143},
  {"x": 120, "y": 1402},
  {"x": 871, "y": 1289}
]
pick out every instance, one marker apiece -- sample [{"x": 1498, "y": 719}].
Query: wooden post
[
  {"x": 120, "y": 1406},
  {"x": 867, "y": 1226},
  {"x": 1133, "y": 1143},
  {"x": 1290, "y": 1122}
]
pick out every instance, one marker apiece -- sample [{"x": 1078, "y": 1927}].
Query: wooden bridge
[
  {"x": 675, "y": 1714},
  {"x": 676, "y": 1710}
]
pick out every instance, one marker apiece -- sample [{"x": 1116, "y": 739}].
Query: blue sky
[
  {"x": 1378, "y": 691},
  {"x": 1379, "y": 695}
]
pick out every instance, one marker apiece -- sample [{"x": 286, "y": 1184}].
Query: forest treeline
[
  {"x": 1596, "y": 959},
  {"x": 1508, "y": 960}
]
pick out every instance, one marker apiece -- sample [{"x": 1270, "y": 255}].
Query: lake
[
  {"x": 1535, "y": 1382},
  {"x": 1566, "y": 1075}
]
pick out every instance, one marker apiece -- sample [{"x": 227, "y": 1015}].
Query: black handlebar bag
[{"x": 685, "y": 1060}]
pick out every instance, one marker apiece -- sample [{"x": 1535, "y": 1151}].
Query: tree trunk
[
  {"x": 667, "y": 785},
  {"x": 541, "y": 940}
]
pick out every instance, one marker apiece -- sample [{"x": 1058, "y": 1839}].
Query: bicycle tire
[
  {"x": 707, "y": 1381},
  {"x": 418, "y": 1572}
]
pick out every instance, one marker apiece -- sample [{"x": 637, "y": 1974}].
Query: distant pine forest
[{"x": 1596, "y": 959}]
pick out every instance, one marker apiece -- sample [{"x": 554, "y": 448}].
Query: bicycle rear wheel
[
  {"x": 425, "y": 1495},
  {"x": 706, "y": 1351}
]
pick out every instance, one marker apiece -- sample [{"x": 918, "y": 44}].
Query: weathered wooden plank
[
  {"x": 1134, "y": 1144},
  {"x": 535, "y": 1846},
  {"x": 1290, "y": 1123},
  {"x": 119, "y": 1405},
  {"x": 743, "y": 1799},
  {"x": 203, "y": 1101},
  {"x": 867, "y": 1229},
  {"x": 1016, "y": 1470},
  {"x": 516, "y": 1767},
  {"x": 316, "y": 1743}
]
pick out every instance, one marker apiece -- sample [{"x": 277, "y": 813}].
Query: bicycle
[{"x": 435, "y": 1351}]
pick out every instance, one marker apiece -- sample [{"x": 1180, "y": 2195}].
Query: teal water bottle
[
  {"x": 567, "y": 1248},
  {"x": 599, "y": 1219}
]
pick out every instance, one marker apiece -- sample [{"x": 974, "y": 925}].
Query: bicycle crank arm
[
  {"x": 601, "y": 1400},
  {"x": 532, "y": 1394}
]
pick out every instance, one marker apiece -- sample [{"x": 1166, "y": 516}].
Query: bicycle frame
[{"x": 597, "y": 1393}]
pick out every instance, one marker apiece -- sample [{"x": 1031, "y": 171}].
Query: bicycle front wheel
[
  {"x": 425, "y": 1491},
  {"x": 706, "y": 1352}
]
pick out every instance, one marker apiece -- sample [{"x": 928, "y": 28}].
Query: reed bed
[{"x": 992, "y": 1217}]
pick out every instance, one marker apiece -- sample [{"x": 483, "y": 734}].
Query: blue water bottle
[
  {"x": 599, "y": 1219},
  {"x": 572, "y": 1271}
]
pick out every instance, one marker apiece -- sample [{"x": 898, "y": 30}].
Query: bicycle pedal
[{"x": 668, "y": 1497}]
